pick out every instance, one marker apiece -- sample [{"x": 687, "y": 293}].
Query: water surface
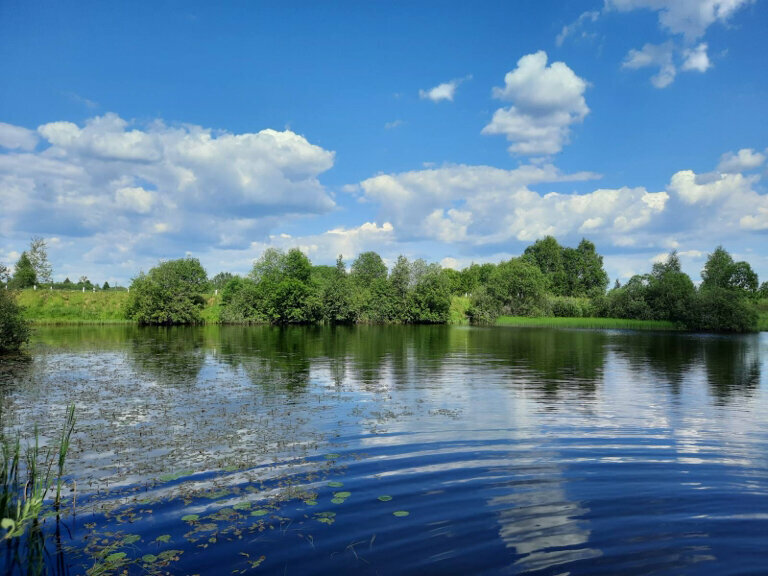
[{"x": 411, "y": 450}]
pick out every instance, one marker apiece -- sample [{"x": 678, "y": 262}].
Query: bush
[
  {"x": 566, "y": 307},
  {"x": 14, "y": 329},
  {"x": 722, "y": 310},
  {"x": 171, "y": 293}
]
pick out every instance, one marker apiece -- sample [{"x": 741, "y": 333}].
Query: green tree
[
  {"x": 105, "y": 286},
  {"x": 725, "y": 298},
  {"x": 429, "y": 301},
  {"x": 630, "y": 301},
  {"x": 171, "y": 293},
  {"x": 24, "y": 274},
  {"x": 548, "y": 255},
  {"x": 5, "y": 273},
  {"x": 38, "y": 256},
  {"x": 14, "y": 329},
  {"x": 584, "y": 273},
  {"x": 338, "y": 306},
  {"x": 670, "y": 292},
  {"x": 220, "y": 280},
  {"x": 518, "y": 287},
  {"x": 367, "y": 268}
]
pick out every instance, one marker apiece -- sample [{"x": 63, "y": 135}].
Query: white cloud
[
  {"x": 115, "y": 183},
  {"x": 393, "y": 124},
  {"x": 16, "y": 137},
  {"x": 576, "y": 25},
  {"x": 696, "y": 59},
  {"x": 546, "y": 101},
  {"x": 444, "y": 91},
  {"x": 745, "y": 159},
  {"x": 479, "y": 205},
  {"x": 656, "y": 56},
  {"x": 691, "y": 18}
]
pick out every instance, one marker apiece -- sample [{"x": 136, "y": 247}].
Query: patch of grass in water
[{"x": 591, "y": 323}]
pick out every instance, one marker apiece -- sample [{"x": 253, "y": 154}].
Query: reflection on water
[{"x": 512, "y": 450}]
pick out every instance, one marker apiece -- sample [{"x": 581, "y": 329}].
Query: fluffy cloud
[
  {"x": 546, "y": 101},
  {"x": 690, "y": 18},
  {"x": 444, "y": 91},
  {"x": 157, "y": 190},
  {"x": 16, "y": 137},
  {"x": 744, "y": 160},
  {"x": 480, "y": 205},
  {"x": 696, "y": 59}
]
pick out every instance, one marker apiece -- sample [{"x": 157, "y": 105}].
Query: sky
[{"x": 457, "y": 132}]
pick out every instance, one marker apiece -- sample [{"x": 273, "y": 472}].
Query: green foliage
[
  {"x": 429, "y": 301},
  {"x": 721, "y": 271},
  {"x": 568, "y": 271},
  {"x": 368, "y": 268},
  {"x": 630, "y": 301},
  {"x": 14, "y": 329},
  {"x": 338, "y": 305},
  {"x": 24, "y": 275},
  {"x": 220, "y": 280},
  {"x": 718, "y": 310},
  {"x": 670, "y": 292},
  {"x": 518, "y": 287},
  {"x": 38, "y": 256},
  {"x": 171, "y": 293}
]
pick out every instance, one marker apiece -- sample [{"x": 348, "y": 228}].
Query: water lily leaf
[
  {"x": 149, "y": 558},
  {"x": 401, "y": 513},
  {"x": 190, "y": 518},
  {"x": 385, "y": 498},
  {"x": 175, "y": 475},
  {"x": 164, "y": 538},
  {"x": 337, "y": 500},
  {"x": 115, "y": 557},
  {"x": 310, "y": 502},
  {"x": 332, "y": 456},
  {"x": 335, "y": 484},
  {"x": 260, "y": 512},
  {"x": 242, "y": 506},
  {"x": 342, "y": 494},
  {"x": 131, "y": 538}
]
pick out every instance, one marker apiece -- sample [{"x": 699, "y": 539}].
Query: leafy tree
[
  {"x": 38, "y": 256},
  {"x": 518, "y": 287},
  {"x": 762, "y": 292},
  {"x": 5, "y": 273},
  {"x": 718, "y": 269},
  {"x": 338, "y": 306},
  {"x": 429, "y": 301},
  {"x": 631, "y": 300},
  {"x": 220, "y": 280},
  {"x": 670, "y": 292},
  {"x": 476, "y": 275},
  {"x": 717, "y": 310},
  {"x": 453, "y": 280},
  {"x": 400, "y": 286},
  {"x": 367, "y": 268},
  {"x": 24, "y": 275},
  {"x": 548, "y": 255},
  {"x": 14, "y": 329},
  {"x": 171, "y": 293},
  {"x": 584, "y": 273},
  {"x": 105, "y": 286}
]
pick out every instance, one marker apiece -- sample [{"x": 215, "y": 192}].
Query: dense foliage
[
  {"x": 14, "y": 329},
  {"x": 171, "y": 293}
]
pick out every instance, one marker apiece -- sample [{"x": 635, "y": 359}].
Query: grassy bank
[
  {"x": 600, "y": 323},
  {"x": 72, "y": 307}
]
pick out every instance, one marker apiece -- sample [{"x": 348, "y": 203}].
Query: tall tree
[
  {"x": 367, "y": 268},
  {"x": 38, "y": 256}
]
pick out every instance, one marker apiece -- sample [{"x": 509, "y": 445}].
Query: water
[{"x": 226, "y": 450}]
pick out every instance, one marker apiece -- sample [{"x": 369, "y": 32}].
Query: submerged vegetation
[{"x": 547, "y": 281}]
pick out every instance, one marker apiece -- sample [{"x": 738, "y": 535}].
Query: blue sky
[{"x": 456, "y": 132}]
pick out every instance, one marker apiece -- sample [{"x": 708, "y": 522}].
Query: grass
[
  {"x": 599, "y": 323},
  {"x": 458, "y": 311},
  {"x": 72, "y": 307}
]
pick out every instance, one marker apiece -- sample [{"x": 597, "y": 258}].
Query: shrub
[{"x": 14, "y": 329}]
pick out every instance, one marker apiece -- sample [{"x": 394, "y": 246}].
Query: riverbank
[{"x": 597, "y": 323}]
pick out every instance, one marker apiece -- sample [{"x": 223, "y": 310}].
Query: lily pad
[
  {"x": 260, "y": 512},
  {"x": 385, "y": 498},
  {"x": 342, "y": 494},
  {"x": 164, "y": 538},
  {"x": 401, "y": 513},
  {"x": 245, "y": 505},
  {"x": 310, "y": 502},
  {"x": 115, "y": 557},
  {"x": 332, "y": 456},
  {"x": 131, "y": 539},
  {"x": 149, "y": 558},
  {"x": 190, "y": 518},
  {"x": 337, "y": 500},
  {"x": 335, "y": 484}
]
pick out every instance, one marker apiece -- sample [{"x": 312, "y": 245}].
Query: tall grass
[
  {"x": 23, "y": 492},
  {"x": 594, "y": 323}
]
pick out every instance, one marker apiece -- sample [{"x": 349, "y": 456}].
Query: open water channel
[{"x": 397, "y": 450}]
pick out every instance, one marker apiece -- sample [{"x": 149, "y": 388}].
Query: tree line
[{"x": 546, "y": 280}]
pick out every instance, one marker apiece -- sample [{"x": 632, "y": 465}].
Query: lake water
[{"x": 398, "y": 450}]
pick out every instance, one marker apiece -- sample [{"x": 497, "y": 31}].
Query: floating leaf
[
  {"x": 335, "y": 484},
  {"x": 175, "y": 475},
  {"x": 385, "y": 498},
  {"x": 164, "y": 538},
  {"x": 190, "y": 518},
  {"x": 149, "y": 558},
  {"x": 115, "y": 557},
  {"x": 342, "y": 494},
  {"x": 332, "y": 456},
  {"x": 245, "y": 505},
  {"x": 401, "y": 513},
  {"x": 325, "y": 520},
  {"x": 260, "y": 512},
  {"x": 337, "y": 500},
  {"x": 131, "y": 538},
  {"x": 310, "y": 502}
]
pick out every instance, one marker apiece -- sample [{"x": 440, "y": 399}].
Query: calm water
[{"x": 401, "y": 450}]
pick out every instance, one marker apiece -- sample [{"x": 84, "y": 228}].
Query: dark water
[{"x": 537, "y": 451}]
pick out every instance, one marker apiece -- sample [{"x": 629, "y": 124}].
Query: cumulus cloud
[
  {"x": 194, "y": 186},
  {"x": 744, "y": 160},
  {"x": 690, "y": 18},
  {"x": 546, "y": 101},
  {"x": 696, "y": 59},
  {"x": 17, "y": 137},
  {"x": 480, "y": 205},
  {"x": 444, "y": 91}
]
